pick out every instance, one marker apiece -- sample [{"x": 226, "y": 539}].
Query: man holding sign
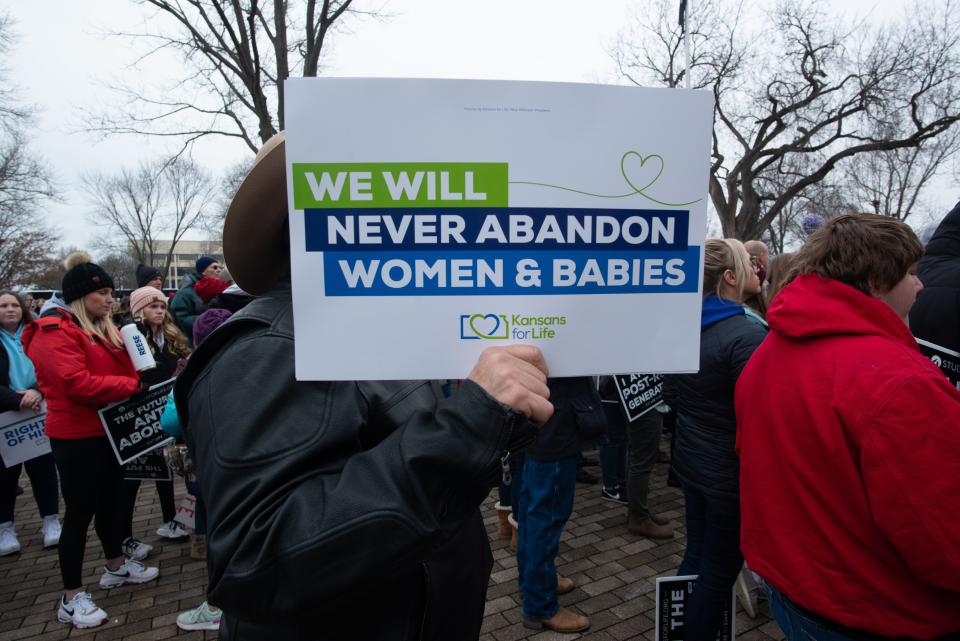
[
  {"x": 367, "y": 492},
  {"x": 402, "y": 244}
]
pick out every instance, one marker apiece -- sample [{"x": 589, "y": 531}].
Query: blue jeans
[
  {"x": 713, "y": 553},
  {"x": 797, "y": 625},
  {"x": 613, "y": 451},
  {"x": 546, "y": 502}
]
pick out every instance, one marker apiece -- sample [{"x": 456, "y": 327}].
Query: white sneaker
[
  {"x": 199, "y": 618},
  {"x": 136, "y": 549},
  {"x": 172, "y": 530},
  {"x": 81, "y": 611},
  {"x": 51, "y": 531},
  {"x": 130, "y": 572},
  {"x": 9, "y": 543}
]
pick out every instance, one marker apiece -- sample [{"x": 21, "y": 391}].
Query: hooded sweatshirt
[
  {"x": 936, "y": 315},
  {"x": 849, "y": 443}
]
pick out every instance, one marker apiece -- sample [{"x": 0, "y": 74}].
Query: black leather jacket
[{"x": 338, "y": 510}]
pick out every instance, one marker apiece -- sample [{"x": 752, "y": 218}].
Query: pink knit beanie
[{"x": 142, "y": 297}]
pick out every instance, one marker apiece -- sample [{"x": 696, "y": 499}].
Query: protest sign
[
  {"x": 187, "y": 512},
  {"x": 639, "y": 393},
  {"x": 673, "y": 593},
  {"x": 152, "y": 466},
  {"x": 430, "y": 219},
  {"x": 23, "y": 436},
  {"x": 946, "y": 359},
  {"x": 133, "y": 426}
]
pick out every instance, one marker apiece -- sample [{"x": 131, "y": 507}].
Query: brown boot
[
  {"x": 198, "y": 547},
  {"x": 563, "y": 621},
  {"x": 649, "y": 529},
  {"x": 659, "y": 520},
  {"x": 565, "y": 584},
  {"x": 503, "y": 513},
  {"x": 513, "y": 536}
]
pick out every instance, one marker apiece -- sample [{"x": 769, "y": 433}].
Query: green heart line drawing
[{"x": 635, "y": 191}]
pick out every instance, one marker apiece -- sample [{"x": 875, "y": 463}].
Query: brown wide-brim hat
[{"x": 256, "y": 242}]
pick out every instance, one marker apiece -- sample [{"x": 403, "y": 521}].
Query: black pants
[
  {"x": 43, "y": 477},
  {"x": 91, "y": 483},
  {"x": 644, "y": 439},
  {"x": 165, "y": 494}
]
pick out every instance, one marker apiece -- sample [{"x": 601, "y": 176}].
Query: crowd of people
[
  {"x": 817, "y": 450},
  {"x": 68, "y": 359}
]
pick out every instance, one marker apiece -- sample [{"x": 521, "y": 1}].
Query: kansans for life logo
[
  {"x": 492, "y": 326},
  {"x": 484, "y": 326}
]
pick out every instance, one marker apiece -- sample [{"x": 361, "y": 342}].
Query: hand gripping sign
[{"x": 430, "y": 219}]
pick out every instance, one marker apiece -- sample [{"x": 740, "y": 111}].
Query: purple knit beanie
[
  {"x": 207, "y": 322},
  {"x": 811, "y": 223}
]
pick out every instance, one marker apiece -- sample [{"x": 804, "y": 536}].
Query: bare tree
[
  {"x": 236, "y": 55},
  {"x": 229, "y": 181},
  {"x": 159, "y": 201},
  {"x": 893, "y": 182},
  {"x": 122, "y": 267},
  {"x": 796, "y": 97},
  {"x": 25, "y": 184}
]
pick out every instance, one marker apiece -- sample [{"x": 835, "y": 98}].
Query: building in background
[{"x": 184, "y": 257}]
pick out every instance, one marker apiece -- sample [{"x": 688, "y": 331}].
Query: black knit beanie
[
  {"x": 83, "y": 276},
  {"x": 146, "y": 273}
]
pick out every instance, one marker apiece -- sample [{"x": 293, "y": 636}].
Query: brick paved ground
[{"x": 615, "y": 573}]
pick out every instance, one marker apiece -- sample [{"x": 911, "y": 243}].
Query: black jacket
[
  {"x": 936, "y": 315},
  {"x": 578, "y": 420},
  {"x": 166, "y": 359},
  {"x": 338, "y": 510},
  {"x": 703, "y": 456},
  {"x": 9, "y": 399}
]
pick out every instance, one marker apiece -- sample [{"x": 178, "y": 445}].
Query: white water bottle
[{"x": 136, "y": 345}]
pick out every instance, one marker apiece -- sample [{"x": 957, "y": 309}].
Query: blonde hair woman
[
  {"x": 704, "y": 457},
  {"x": 81, "y": 365}
]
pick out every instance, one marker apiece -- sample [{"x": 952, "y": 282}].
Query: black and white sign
[
  {"x": 639, "y": 393},
  {"x": 152, "y": 466},
  {"x": 673, "y": 594},
  {"x": 133, "y": 426},
  {"x": 946, "y": 359}
]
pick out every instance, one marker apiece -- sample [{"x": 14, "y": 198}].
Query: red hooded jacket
[
  {"x": 849, "y": 443},
  {"x": 77, "y": 373}
]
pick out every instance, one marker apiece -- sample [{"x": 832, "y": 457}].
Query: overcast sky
[{"x": 63, "y": 59}]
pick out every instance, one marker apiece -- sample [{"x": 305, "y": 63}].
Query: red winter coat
[
  {"x": 78, "y": 374},
  {"x": 849, "y": 443}
]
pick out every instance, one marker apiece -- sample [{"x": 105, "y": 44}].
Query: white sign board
[
  {"x": 430, "y": 219},
  {"x": 23, "y": 436}
]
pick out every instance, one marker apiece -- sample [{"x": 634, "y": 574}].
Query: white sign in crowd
[
  {"x": 23, "y": 436},
  {"x": 430, "y": 219}
]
